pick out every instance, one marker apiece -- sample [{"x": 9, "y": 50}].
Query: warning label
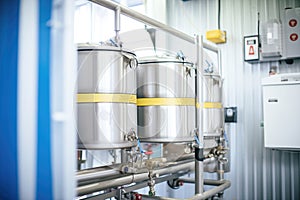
[
  {"x": 293, "y": 23},
  {"x": 293, "y": 37},
  {"x": 251, "y": 50}
]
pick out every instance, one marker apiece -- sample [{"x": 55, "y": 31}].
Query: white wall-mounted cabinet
[{"x": 281, "y": 97}]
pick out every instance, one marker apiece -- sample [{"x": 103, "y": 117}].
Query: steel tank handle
[{"x": 132, "y": 61}]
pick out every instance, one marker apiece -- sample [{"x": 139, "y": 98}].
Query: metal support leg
[{"x": 199, "y": 170}]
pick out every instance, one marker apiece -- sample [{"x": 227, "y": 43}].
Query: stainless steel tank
[
  {"x": 106, "y": 97},
  {"x": 212, "y": 86},
  {"x": 166, "y": 100}
]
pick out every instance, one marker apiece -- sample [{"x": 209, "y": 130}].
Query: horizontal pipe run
[
  {"x": 96, "y": 173},
  {"x": 137, "y": 186},
  {"x": 112, "y": 170},
  {"x": 207, "y": 194},
  {"x": 224, "y": 184},
  {"x": 87, "y": 189},
  {"x": 206, "y": 181},
  {"x": 144, "y": 19}
]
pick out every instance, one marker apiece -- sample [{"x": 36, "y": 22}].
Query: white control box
[{"x": 281, "y": 102}]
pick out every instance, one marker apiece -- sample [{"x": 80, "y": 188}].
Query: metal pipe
[
  {"x": 212, "y": 192},
  {"x": 144, "y": 19},
  {"x": 198, "y": 177},
  {"x": 201, "y": 87},
  {"x": 96, "y": 173},
  {"x": 87, "y": 189},
  {"x": 111, "y": 170},
  {"x": 196, "y": 79},
  {"x": 124, "y": 156},
  {"x": 136, "y": 186},
  {"x": 220, "y": 171},
  {"x": 205, "y": 195},
  {"x": 117, "y": 23},
  {"x": 199, "y": 158},
  {"x": 219, "y": 62},
  {"x": 206, "y": 181}
]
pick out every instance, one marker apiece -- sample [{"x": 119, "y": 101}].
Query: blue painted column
[
  {"x": 44, "y": 169},
  {"x": 9, "y": 29}
]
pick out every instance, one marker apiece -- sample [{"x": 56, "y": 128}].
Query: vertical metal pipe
[
  {"x": 79, "y": 158},
  {"x": 117, "y": 23},
  {"x": 199, "y": 149},
  {"x": 220, "y": 171},
  {"x": 219, "y": 62},
  {"x": 198, "y": 177},
  {"x": 200, "y": 69},
  {"x": 124, "y": 156},
  {"x": 199, "y": 180},
  {"x": 197, "y": 79}
]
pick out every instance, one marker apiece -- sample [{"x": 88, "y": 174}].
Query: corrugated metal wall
[{"x": 256, "y": 172}]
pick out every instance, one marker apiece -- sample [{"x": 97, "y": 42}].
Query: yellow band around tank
[
  {"x": 210, "y": 105},
  {"x": 106, "y": 98},
  {"x": 166, "y": 102}
]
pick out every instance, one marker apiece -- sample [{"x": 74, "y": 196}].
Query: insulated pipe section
[
  {"x": 87, "y": 189},
  {"x": 144, "y": 19}
]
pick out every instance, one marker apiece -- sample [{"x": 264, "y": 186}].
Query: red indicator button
[
  {"x": 293, "y": 23},
  {"x": 293, "y": 37},
  {"x": 138, "y": 196}
]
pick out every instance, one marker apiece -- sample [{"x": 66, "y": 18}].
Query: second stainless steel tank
[
  {"x": 106, "y": 97},
  {"x": 166, "y": 100}
]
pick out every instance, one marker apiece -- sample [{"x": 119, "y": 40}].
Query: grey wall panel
[{"x": 256, "y": 172}]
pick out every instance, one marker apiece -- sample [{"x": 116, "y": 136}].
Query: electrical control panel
[
  {"x": 271, "y": 45},
  {"x": 279, "y": 39}
]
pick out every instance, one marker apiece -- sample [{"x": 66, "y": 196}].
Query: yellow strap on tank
[
  {"x": 210, "y": 105},
  {"x": 166, "y": 102},
  {"x": 106, "y": 98}
]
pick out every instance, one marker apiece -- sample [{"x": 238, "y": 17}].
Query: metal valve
[{"x": 130, "y": 136}]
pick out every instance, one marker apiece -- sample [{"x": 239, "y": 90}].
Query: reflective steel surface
[
  {"x": 170, "y": 79},
  {"x": 106, "y": 71},
  {"x": 166, "y": 79},
  {"x": 166, "y": 123},
  {"x": 110, "y": 71},
  {"x": 104, "y": 125},
  {"x": 212, "y": 117}
]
